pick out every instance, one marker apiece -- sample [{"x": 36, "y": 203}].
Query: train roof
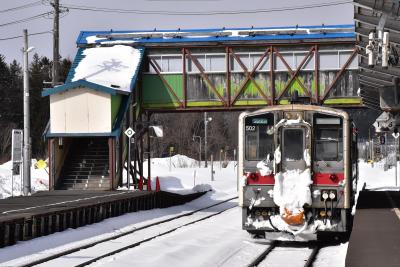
[{"x": 295, "y": 107}]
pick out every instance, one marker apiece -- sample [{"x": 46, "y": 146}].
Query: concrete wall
[{"x": 80, "y": 110}]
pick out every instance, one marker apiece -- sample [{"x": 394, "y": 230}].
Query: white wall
[{"x": 80, "y": 110}]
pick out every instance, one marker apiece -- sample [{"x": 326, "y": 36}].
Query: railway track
[
  {"x": 91, "y": 252},
  {"x": 301, "y": 254}
]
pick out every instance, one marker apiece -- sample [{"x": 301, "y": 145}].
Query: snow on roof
[
  {"x": 112, "y": 67},
  {"x": 207, "y": 35}
]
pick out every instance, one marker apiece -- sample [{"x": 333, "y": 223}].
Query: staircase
[{"x": 86, "y": 166}]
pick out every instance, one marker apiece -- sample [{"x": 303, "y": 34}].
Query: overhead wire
[
  {"x": 202, "y": 13},
  {"x": 25, "y": 19},
  {"x": 20, "y": 36},
  {"x": 36, "y": 3}
]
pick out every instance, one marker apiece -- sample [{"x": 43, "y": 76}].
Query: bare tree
[{"x": 179, "y": 129}]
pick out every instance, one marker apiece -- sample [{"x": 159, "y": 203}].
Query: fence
[{"x": 372, "y": 149}]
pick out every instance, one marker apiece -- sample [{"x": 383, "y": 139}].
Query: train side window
[{"x": 328, "y": 144}]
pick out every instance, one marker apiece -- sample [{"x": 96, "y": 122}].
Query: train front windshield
[{"x": 259, "y": 137}]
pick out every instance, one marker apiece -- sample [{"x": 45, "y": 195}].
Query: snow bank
[
  {"x": 202, "y": 188},
  {"x": 375, "y": 177},
  {"x": 12, "y": 185},
  {"x": 177, "y": 161},
  {"x": 185, "y": 177}
]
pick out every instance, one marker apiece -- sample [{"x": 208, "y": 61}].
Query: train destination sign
[{"x": 259, "y": 121}]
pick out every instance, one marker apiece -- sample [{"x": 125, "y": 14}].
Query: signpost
[
  {"x": 396, "y": 135},
  {"x": 17, "y": 138},
  {"x": 129, "y": 133},
  {"x": 384, "y": 123}
]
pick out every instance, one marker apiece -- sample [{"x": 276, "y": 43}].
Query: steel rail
[
  {"x": 263, "y": 255},
  {"x": 91, "y": 244},
  {"x": 116, "y": 251},
  {"x": 310, "y": 260},
  {"x": 313, "y": 255}
]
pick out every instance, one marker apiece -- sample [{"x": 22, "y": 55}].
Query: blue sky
[{"x": 74, "y": 21}]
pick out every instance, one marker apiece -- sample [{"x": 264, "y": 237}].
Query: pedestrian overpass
[{"x": 119, "y": 78}]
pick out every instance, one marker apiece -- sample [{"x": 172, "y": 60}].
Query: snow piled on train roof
[{"x": 113, "y": 66}]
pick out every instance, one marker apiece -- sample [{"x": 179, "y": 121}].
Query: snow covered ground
[
  {"x": 12, "y": 185},
  {"x": 218, "y": 241}
]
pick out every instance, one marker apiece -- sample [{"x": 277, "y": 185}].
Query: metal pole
[
  {"x": 56, "y": 35},
  {"x": 234, "y": 159},
  {"x": 205, "y": 139},
  {"x": 212, "y": 167},
  {"x": 26, "y": 156},
  {"x": 148, "y": 146},
  {"x": 220, "y": 159},
  {"x": 200, "y": 152},
  {"x": 170, "y": 159},
  {"x": 12, "y": 182},
  {"x": 128, "y": 164},
  {"x": 134, "y": 161},
  {"x": 395, "y": 169}
]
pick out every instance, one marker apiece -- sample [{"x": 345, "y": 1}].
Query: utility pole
[
  {"x": 56, "y": 42},
  {"x": 26, "y": 152}
]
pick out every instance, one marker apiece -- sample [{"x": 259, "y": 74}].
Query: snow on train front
[{"x": 297, "y": 171}]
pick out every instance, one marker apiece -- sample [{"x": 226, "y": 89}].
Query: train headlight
[
  {"x": 322, "y": 213},
  {"x": 264, "y": 213},
  {"x": 316, "y": 193},
  {"x": 332, "y": 195},
  {"x": 325, "y": 195}
]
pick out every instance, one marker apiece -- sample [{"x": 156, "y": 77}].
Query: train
[{"x": 297, "y": 171}]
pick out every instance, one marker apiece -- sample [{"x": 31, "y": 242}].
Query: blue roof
[
  {"x": 344, "y": 31},
  {"x": 78, "y": 84}
]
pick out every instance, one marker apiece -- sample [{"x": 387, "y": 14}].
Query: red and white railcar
[{"x": 297, "y": 170}]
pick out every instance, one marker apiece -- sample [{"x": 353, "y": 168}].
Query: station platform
[
  {"x": 375, "y": 239},
  {"x": 43, "y": 213}
]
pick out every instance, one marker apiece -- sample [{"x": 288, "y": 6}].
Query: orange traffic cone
[
  {"x": 149, "y": 184},
  {"x": 157, "y": 184},
  {"x": 140, "y": 186}
]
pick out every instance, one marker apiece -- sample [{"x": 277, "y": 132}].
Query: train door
[{"x": 293, "y": 140}]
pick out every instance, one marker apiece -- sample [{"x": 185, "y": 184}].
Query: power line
[
  {"x": 25, "y": 19},
  {"x": 36, "y": 3},
  {"x": 20, "y": 36},
  {"x": 203, "y": 13}
]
